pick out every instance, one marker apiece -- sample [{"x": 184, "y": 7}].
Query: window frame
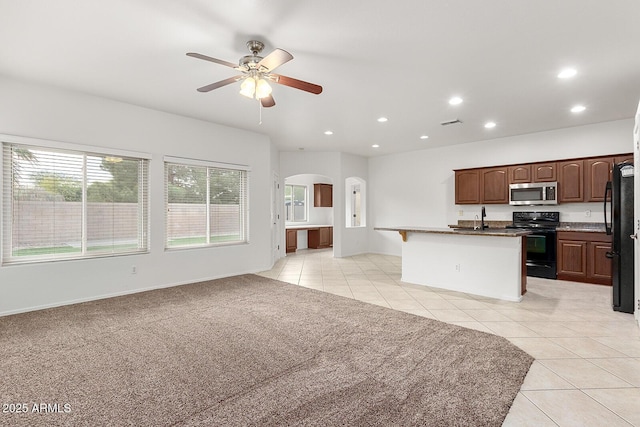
[
  {"x": 7, "y": 203},
  {"x": 243, "y": 201},
  {"x": 355, "y": 204},
  {"x": 306, "y": 203}
]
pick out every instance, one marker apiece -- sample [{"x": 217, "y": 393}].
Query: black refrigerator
[{"x": 620, "y": 215}]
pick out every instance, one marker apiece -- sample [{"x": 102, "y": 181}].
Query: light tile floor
[{"x": 587, "y": 367}]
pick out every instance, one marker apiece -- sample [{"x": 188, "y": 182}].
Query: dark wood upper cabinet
[
  {"x": 571, "y": 181},
  {"x": 597, "y": 173},
  {"x": 494, "y": 185},
  {"x": 623, "y": 158},
  {"x": 322, "y": 195},
  {"x": 519, "y": 174},
  {"x": 467, "y": 187},
  {"x": 544, "y": 172},
  {"x": 579, "y": 180}
]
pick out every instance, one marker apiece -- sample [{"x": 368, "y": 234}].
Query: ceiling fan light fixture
[
  {"x": 263, "y": 89},
  {"x": 248, "y": 87}
]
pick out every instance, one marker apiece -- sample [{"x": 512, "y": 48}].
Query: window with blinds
[
  {"x": 206, "y": 203},
  {"x": 65, "y": 204}
]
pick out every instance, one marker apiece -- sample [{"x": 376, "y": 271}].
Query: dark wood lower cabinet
[
  {"x": 320, "y": 238},
  {"x": 317, "y": 238},
  {"x": 292, "y": 240},
  {"x": 582, "y": 257}
]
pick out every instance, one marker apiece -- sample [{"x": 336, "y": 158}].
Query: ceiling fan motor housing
[
  {"x": 255, "y": 46},
  {"x": 250, "y": 62}
]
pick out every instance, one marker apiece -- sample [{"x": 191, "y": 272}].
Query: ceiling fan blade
[
  {"x": 295, "y": 83},
  {"x": 208, "y": 58},
  {"x": 275, "y": 59},
  {"x": 267, "y": 101},
  {"x": 219, "y": 84}
]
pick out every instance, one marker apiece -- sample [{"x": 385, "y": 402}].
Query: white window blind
[
  {"x": 61, "y": 204},
  {"x": 206, "y": 205}
]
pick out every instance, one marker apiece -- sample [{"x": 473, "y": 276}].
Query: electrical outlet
[
  {"x": 458, "y": 267},
  {"x": 587, "y": 212}
]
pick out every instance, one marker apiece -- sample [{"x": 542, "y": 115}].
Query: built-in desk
[
  {"x": 490, "y": 262},
  {"x": 318, "y": 236}
]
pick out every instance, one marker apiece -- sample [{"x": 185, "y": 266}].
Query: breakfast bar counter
[{"x": 490, "y": 262}]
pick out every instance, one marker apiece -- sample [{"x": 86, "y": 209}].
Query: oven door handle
[{"x": 607, "y": 194}]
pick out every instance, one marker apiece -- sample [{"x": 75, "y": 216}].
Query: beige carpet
[{"x": 248, "y": 350}]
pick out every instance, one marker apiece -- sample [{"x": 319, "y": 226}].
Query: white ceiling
[{"x": 402, "y": 59}]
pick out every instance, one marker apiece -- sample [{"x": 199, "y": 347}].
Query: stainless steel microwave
[{"x": 533, "y": 193}]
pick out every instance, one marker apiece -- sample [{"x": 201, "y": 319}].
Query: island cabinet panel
[
  {"x": 467, "y": 184},
  {"x": 544, "y": 172},
  {"x": 494, "y": 184},
  {"x": 571, "y": 181},
  {"x": 322, "y": 195},
  {"x": 597, "y": 173},
  {"x": 582, "y": 257},
  {"x": 520, "y": 174},
  {"x": 292, "y": 240}
]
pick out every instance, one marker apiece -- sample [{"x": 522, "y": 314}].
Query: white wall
[
  {"x": 354, "y": 240},
  {"x": 315, "y": 216},
  {"x": 43, "y": 112},
  {"x": 337, "y": 167},
  {"x": 417, "y": 188}
]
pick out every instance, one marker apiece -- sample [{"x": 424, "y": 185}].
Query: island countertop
[{"x": 499, "y": 232}]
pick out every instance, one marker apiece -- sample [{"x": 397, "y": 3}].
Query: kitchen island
[{"x": 490, "y": 262}]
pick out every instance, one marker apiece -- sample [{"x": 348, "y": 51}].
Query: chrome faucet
[{"x": 475, "y": 225}]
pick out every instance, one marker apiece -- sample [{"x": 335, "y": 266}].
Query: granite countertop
[
  {"x": 582, "y": 227},
  {"x": 499, "y": 232}
]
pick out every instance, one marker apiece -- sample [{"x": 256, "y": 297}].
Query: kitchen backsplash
[{"x": 569, "y": 212}]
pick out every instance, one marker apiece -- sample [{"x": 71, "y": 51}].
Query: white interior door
[
  {"x": 636, "y": 208},
  {"x": 275, "y": 219}
]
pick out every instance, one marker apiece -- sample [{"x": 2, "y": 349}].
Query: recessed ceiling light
[
  {"x": 567, "y": 73},
  {"x": 455, "y": 100},
  {"x": 578, "y": 108},
  {"x": 382, "y": 119},
  {"x": 424, "y": 137},
  {"x": 490, "y": 125},
  {"x": 328, "y": 132},
  {"x": 375, "y": 146}
]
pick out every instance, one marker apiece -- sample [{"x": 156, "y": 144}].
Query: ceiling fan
[{"x": 257, "y": 72}]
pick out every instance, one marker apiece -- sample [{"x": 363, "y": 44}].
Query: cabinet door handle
[{"x": 634, "y": 236}]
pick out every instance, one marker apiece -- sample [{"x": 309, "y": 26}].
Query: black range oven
[{"x": 541, "y": 243}]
